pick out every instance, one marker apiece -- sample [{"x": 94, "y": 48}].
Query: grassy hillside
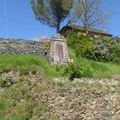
[
  {"x": 100, "y": 69},
  {"x": 27, "y": 63},
  {"x": 30, "y": 63},
  {"x": 27, "y": 91},
  {"x": 97, "y": 69},
  {"x": 32, "y": 89}
]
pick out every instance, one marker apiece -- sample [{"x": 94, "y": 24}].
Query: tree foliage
[{"x": 52, "y": 12}]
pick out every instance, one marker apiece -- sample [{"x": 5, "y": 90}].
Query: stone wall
[
  {"x": 55, "y": 50},
  {"x": 15, "y": 46}
]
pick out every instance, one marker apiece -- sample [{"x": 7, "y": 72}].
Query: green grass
[
  {"x": 100, "y": 69},
  {"x": 27, "y": 63},
  {"x": 97, "y": 69},
  {"x": 31, "y": 63}
]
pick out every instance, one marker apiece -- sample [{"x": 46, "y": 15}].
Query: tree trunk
[{"x": 58, "y": 27}]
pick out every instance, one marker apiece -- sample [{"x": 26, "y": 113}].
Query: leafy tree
[{"x": 51, "y": 12}]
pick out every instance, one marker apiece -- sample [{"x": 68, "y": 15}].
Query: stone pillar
[{"x": 58, "y": 50}]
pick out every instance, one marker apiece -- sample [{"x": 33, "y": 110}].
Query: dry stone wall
[
  {"x": 15, "y": 46},
  {"x": 55, "y": 50}
]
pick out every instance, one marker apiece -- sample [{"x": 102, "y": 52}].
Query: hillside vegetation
[
  {"x": 25, "y": 64},
  {"x": 35, "y": 97},
  {"x": 32, "y": 89}
]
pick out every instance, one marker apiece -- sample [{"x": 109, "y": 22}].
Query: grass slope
[
  {"x": 25, "y": 64},
  {"x": 31, "y": 63},
  {"x": 26, "y": 96},
  {"x": 97, "y": 69},
  {"x": 100, "y": 69}
]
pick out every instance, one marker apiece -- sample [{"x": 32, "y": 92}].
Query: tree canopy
[{"x": 52, "y": 12}]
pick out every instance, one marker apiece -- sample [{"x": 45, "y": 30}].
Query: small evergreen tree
[{"x": 52, "y": 12}]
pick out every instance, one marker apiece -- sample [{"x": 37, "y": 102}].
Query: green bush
[
  {"x": 106, "y": 49},
  {"x": 34, "y": 72},
  {"x": 81, "y": 44},
  {"x": 103, "y": 49},
  {"x": 75, "y": 71},
  {"x": 115, "y": 53}
]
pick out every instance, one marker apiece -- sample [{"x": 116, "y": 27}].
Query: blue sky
[{"x": 17, "y": 20}]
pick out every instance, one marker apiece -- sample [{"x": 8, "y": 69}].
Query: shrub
[
  {"x": 115, "y": 53},
  {"x": 81, "y": 44},
  {"x": 75, "y": 71},
  {"x": 34, "y": 72},
  {"x": 106, "y": 50},
  {"x": 103, "y": 49}
]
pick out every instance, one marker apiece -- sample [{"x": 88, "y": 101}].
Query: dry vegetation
[{"x": 35, "y": 97}]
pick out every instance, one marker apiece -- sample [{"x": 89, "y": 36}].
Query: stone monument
[{"x": 58, "y": 50}]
